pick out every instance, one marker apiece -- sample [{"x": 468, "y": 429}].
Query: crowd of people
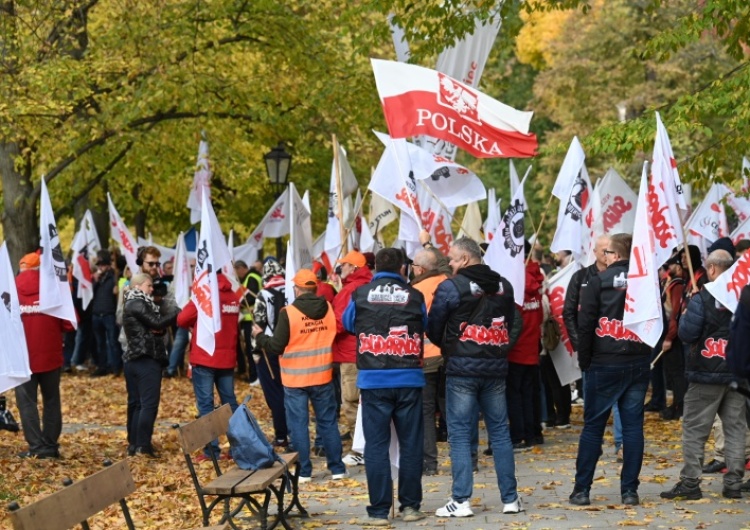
[{"x": 430, "y": 345}]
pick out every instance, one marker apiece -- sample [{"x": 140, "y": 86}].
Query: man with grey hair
[
  {"x": 705, "y": 328},
  {"x": 472, "y": 320}
]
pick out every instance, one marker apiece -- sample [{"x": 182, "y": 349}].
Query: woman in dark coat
[{"x": 145, "y": 358}]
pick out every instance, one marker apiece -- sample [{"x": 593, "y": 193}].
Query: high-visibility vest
[
  {"x": 427, "y": 287},
  {"x": 308, "y": 359},
  {"x": 246, "y": 310}
]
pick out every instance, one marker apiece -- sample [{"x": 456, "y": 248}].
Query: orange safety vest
[
  {"x": 428, "y": 287},
  {"x": 308, "y": 359}
]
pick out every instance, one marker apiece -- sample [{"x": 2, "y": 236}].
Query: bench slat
[
  {"x": 66, "y": 508},
  {"x": 239, "y": 481},
  {"x": 196, "y": 434}
]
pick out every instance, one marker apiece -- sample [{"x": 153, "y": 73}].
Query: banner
[
  {"x": 505, "y": 253},
  {"x": 274, "y": 224},
  {"x": 643, "y": 318},
  {"x": 573, "y": 188},
  {"x": 741, "y": 232},
  {"x": 201, "y": 181},
  {"x": 55, "y": 298},
  {"x": 710, "y": 219},
  {"x": 14, "y": 354},
  {"x": 182, "y": 275},
  {"x": 85, "y": 246},
  {"x": 728, "y": 286},
  {"x": 298, "y": 250},
  {"x": 120, "y": 233},
  {"x": 419, "y": 101},
  {"x": 564, "y": 358}
]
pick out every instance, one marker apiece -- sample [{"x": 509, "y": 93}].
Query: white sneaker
[
  {"x": 354, "y": 459},
  {"x": 455, "y": 509},
  {"x": 303, "y": 480},
  {"x": 81, "y": 368},
  {"x": 339, "y": 476},
  {"x": 514, "y": 507}
]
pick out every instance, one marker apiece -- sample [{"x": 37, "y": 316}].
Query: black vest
[
  {"x": 389, "y": 325},
  {"x": 706, "y": 362},
  {"x": 477, "y": 334}
]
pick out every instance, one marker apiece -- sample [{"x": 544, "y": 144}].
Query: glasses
[
  {"x": 610, "y": 252},
  {"x": 152, "y": 263}
]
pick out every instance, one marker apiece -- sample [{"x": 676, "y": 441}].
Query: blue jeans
[
  {"x": 403, "y": 407},
  {"x": 464, "y": 397},
  {"x": 617, "y": 427},
  {"x": 625, "y": 385},
  {"x": 82, "y": 347},
  {"x": 204, "y": 379},
  {"x": 177, "y": 355},
  {"x": 108, "y": 347},
  {"x": 323, "y": 399}
]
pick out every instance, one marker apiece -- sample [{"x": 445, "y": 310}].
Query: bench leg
[{"x": 295, "y": 492}]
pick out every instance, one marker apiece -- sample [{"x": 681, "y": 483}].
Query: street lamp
[{"x": 278, "y": 163}]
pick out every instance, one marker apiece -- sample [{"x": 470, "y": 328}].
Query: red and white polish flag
[
  {"x": 644, "y": 318},
  {"x": 419, "y": 101},
  {"x": 121, "y": 234},
  {"x": 85, "y": 245},
  {"x": 728, "y": 286}
]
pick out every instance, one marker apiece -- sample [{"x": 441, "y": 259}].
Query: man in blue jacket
[
  {"x": 705, "y": 327},
  {"x": 388, "y": 317}
]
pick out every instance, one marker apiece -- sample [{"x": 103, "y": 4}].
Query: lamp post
[{"x": 278, "y": 163}]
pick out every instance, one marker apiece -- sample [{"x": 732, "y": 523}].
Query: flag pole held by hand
[{"x": 656, "y": 360}]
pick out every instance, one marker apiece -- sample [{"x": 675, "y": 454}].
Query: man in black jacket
[
  {"x": 705, "y": 328},
  {"x": 104, "y": 326},
  {"x": 615, "y": 365}
]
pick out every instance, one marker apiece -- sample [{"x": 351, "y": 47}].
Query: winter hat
[
  {"x": 723, "y": 243},
  {"x": 271, "y": 268}
]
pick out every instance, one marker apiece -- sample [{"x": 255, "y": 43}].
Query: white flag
[
  {"x": 122, "y": 235},
  {"x": 298, "y": 253},
  {"x": 573, "y": 188},
  {"x": 505, "y": 253},
  {"x": 471, "y": 226},
  {"x": 211, "y": 255},
  {"x": 85, "y": 246},
  {"x": 182, "y": 277},
  {"x": 55, "y": 297},
  {"x": 665, "y": 197},
  {"x": 493, "y": 215},
  {"x": 201, "y": 182},
  {"x": 710, "y": 219},
  {"x": 741, "y": 232},
  {"x": 564, "y": 358},
  {"x": 382, "y": 213},
  {"x": 728, "y": 286},
  {"x": 274, "y": 224},
  {"x": 339, "y": 210},
  {"x": 643, "y": 318},
  {"x": 740, "y": 205},
  {"x": 514, "y": 180},
  {"x": 14, "y": 354}
]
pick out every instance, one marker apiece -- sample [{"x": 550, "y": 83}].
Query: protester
[
  {"x": 44, "y": 341},
  {"x": 215, "y": 369},
  {"x": 615, "y": 364},
  {"x": 103, "y": 324},
  {"x": 265, "y": 313},
  {"x": 303, "y": 336},
  {"x": 325, "y": 289},
  {"x": 144, "y": 326},
  {"x": 253, "y": 282},
  {"x": 430, "y": 270},
  {"x": 705, "y": 328},
  {"x": 180, "y": 342},
  {"x": 388, "y": 318},
  {"x": 354, "y": 274},
  {"x": 673, "y": 360},
  {"x": 473, "y": 321},
  {"x": 523, "y": 388}
]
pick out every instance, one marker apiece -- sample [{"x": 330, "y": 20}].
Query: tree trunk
[{"x": 20, "y": 218}]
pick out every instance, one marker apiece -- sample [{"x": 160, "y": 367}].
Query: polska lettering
[
  {"x": 496, "y": 335},
  {"x": 615, "y": 329},
  {"x": 466, "y": 133},
  {"x": 714, "y": 348},
  {"x": 397, "y": 343},
  {"x": 663, "y": 231},
  {"x": 613, "y": 215}
]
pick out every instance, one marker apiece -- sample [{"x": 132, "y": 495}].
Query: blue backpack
[{"x": 250, "y": 447}]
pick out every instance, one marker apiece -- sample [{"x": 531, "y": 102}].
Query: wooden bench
[
  {"x": 79, "y": 501},
  {"x": 239, "y": 484}
]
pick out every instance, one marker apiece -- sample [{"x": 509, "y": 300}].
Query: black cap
[
  {"x": 103, "y": 258},
  {"x": 723, "y": 243}
]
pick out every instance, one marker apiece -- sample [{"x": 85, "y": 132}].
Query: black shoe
[
  {"x": 745, "y": 486},
  {"x": 319, "y": 451},
  {"x": 40, "y": 456},
  {"x": 731, "y": 494},
  {"x": 652, "y": 407},
  {"x": 487, "y": 452},
  {"x": 683, "y": 492},
  {"x": 631, "y": 498},
  {"x": 714, "y": 466},
  {"x": 131, "y": 450},
  {"x": 520, "y": 447},
  {"x": 166, "y": 374},
  {"x": 429, "y": 471},
  {"x": 7, "y": 421},
  {"x": 67, "y": 369},
  {"x": 146, "y": 451},
  {"x": 671, "y": 413},
  {"x": 538, "y": 440},
  {"x": 442, "y": 435},
  {"x": 100, "y": 372},
  {"x": 579, "y": 498}
]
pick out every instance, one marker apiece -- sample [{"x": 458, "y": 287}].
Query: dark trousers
[
  {"x": 42, "y": 438},
  {"x": 521, "y": 391},
  {"x": 558, "y": 396},
  {"x": 143, "y": 382},
  {"x": 429, "y": 406},
  {"x": 245, "y": 362},
  {"x": 674, "y": 371},
  {"x": 402, "y": 406},
  {"x": 658, "y": 387},
  {"x": 108, "y": 356},
  {"x": 273, "y": 391}
]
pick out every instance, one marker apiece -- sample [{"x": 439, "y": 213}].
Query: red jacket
[
  {"x": 327, "y": 291},
  {"x": 225, "y": 351},
  {"x": 345, "y": 344},
  {"x": 526, "y": 349},
  {"x": 44, "y": 333}
]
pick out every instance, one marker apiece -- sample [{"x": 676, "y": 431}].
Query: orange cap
[
  {"x": 305, "y": 278},
  {"x": 354, "y": 258},
  {"x": 29, "y": 261}
]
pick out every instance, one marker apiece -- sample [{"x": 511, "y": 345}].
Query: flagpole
[
  {"x": 656, "y": 359},
  {"x": 354, "y": 221},
  {"x": 339, "y": 190}
]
